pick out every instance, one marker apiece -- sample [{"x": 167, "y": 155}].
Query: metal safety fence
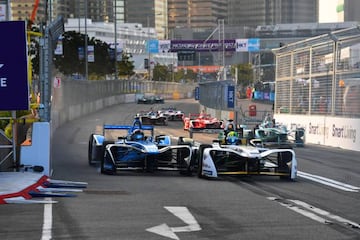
[{"x": 320, "y": 75}]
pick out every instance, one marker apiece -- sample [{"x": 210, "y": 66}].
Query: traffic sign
[{"x": 14, "y": 87}]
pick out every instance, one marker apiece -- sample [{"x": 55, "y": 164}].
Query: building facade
[
  {"x": 131, "y": 38},
  {"x": 26, "y": 9},
  {"x": 351, "y": 10},
  {"x": 151, "y": 13},
  {"x": 253, "y": 13},
  {"x": 196, "y": 14}
]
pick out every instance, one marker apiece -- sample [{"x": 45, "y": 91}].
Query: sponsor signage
[
  {"x": 14, "y": 87},
  {"x": 91, "y": 53},
  {"x": 248, "y": 45},
  {"x": 202, "y": 46},
  {"x": 254, "y": 44},
  {"x": 231, "y": 97},
  {"x": 153, "y": 46},
  {"x": 164, "y": 46},
  {"x": 189, "y": 47},
  {"x": 2, "y": 12},
  {"x": 197, "y": 93}
]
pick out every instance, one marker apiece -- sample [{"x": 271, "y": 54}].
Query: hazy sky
[{"x": 328, "y": 11}]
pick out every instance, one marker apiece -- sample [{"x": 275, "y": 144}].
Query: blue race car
[{"x": 137, "y": 150}]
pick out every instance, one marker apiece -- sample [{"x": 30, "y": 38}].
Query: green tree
[
  {"x": 126, "y": 66},
  {"x": 245, "y": 73},
  {"x": 73, "y": 58},
  {"x": 161, "y": 73}
]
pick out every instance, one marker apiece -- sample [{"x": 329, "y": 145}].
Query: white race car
[
  {"x": 172, "y": 114},
  {"x": 215, "y": 160}
]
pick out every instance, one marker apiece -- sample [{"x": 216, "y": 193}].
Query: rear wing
[
  {"x": 128, "y": 128},
  {"x": 193, "y": 116}
]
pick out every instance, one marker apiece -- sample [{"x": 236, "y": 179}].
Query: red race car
[{"x": 202, "y": 121}]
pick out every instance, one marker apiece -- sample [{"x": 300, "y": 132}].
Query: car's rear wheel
[
  {"x": 186, "y": 168},
  {"x": 283, "y": 159}
]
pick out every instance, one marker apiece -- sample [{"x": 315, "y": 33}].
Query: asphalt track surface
[{"x": 166, "y": 205}]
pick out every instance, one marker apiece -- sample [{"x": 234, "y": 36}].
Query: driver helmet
[
  {"x": 137, "y": 135},
  {"x": 232, "y": 137},
  {"x": 230, "y": 127}
]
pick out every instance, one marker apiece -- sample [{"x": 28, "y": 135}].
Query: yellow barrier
[{"x": 176, "y": 96}]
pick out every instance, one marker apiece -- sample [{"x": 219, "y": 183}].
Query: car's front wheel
[
  {"x": 106, "y": 165},
  {"x": 91, "y": 153}
]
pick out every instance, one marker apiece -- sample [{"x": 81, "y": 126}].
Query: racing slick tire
[
  {"x": 91, "y": 160},
  {"x": 285, "y": 157},
  {"x": 188, "y": 169},
  {"x": 199, "y": 158},
  {"x": 103, "y": 170}
]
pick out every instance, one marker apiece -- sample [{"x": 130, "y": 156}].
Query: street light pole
[
  {"x": 148, "y": 48},
  {"x": 86, "y": 43},
  {"x": 115, "y": 47}
]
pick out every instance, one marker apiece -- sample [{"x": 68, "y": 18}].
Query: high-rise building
[
  {"x": 253, "y": 13},
  {"x": 196, "y": 14},
  {"x": 149, "y": 13},
  {"x": 97, "y": 10},
  {"x": 26, "y": 9},
  {"x": 351, "y": 10}
]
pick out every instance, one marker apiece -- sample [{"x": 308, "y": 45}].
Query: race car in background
[
  {"x": 215, "y": 160},
  {"x": 150, "y": 100},
  {"x": 272, "y": 134},
  {"x": 172, "y": 114},
  {"x": 201, "y": 121},
  {"x": 152, "y": 118},
  {"x": 137, "y": 149}
]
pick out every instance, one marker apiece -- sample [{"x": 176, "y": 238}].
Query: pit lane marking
[{"x": 328, "y": 182}]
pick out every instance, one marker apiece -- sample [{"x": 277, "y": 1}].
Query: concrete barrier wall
[{"x": 74, "y": 98}]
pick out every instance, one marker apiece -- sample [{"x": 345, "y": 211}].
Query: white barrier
[
  {"x": 325, "y": 130},
  {"x": 37, "y": 153}
]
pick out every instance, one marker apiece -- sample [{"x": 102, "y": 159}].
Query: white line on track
[
  {"x": 325, "y": 213},
  {"x": 328, "y": 182},
  {"x": 313, "y": 213},
  {"x": 47, "y": 224},
  {"x": 304, "y": 213}
]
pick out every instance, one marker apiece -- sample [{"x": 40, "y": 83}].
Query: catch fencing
[{"x": 320, "y": 75}]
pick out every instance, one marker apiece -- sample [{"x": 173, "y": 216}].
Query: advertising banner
[
  {"x": 231, "y": 96},
  {"x": 197, "y": 93},
  {"x": 153, "y": 46},
  {"x": 91, "y": 53},
  {"x": 164, "y": 46},
  {"x": 2, "y": 12},
  {"x": 14, "y": 87},
  {"x": 248, "y": 45},
  {"x": 202, "y": 45}
]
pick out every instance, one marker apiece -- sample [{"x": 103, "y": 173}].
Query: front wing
[{"x": 126, "y": 157}]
